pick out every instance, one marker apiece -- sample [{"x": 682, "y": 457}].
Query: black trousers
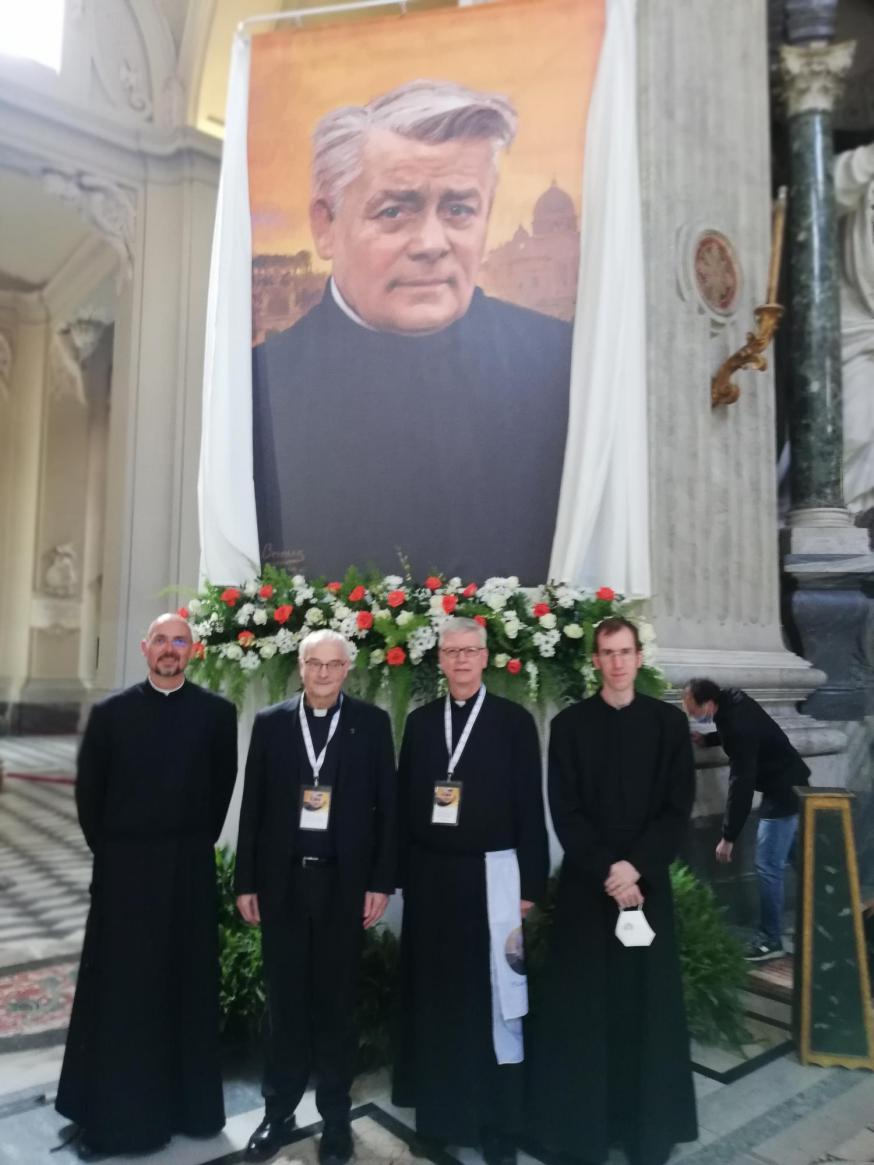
[{"x": 312, "y": 954}]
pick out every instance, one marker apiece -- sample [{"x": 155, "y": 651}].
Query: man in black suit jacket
[{"x": 315, "y": 866}]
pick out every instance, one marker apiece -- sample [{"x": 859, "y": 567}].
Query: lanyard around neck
[
  {"x": 455, "y": 757},
  {"x": 316, "y": 762}
]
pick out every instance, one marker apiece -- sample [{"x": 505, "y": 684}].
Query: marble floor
[{"x": 755, "y": 1107}]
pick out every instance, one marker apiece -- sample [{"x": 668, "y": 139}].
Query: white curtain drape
[
  {"x": 225, "y": 487},
  {"x": 602, "y": 529},
  {"x": 602, "y": 532}
]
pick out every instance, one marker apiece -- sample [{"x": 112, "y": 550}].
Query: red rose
[
  {"x": 246, "y": 638},
  {"x": 231, "y": 596},
  {"x": 395, "y": 656},
  {"x": 450, "y": 602},
  {"x": 333, "y": 587},
  {"x": 357, "y": 594},
  {"x": 469, "y": 591},
  {"x": 514, "y": 666},
  {"x": 182, "y": 612},
  {"x": 605, "y": 593},
  {"x": 283, "y": 614},
  {"x": 396, "y": 598},
  {"x": 541, "y": 609},
  {"x": 364, "y": 619},
  {"x": 199, "y": 651},
  {"x": 481, "y": 619},
  {"x": 433, "y": 583},
  {"x": 266, "y": 592}
]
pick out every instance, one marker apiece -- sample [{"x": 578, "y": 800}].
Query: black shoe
[
  {"x": 499, "y": 1149},
  {"x": 335, "y": 1147},
  {"x": 269, "y": 1137},
  {"x": 761, "y": 949}
]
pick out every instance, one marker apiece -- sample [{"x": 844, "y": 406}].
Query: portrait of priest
[{"x": 406, "y": 388}]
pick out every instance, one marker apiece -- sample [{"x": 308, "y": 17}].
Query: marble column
[{"x": 812, "y": 76}]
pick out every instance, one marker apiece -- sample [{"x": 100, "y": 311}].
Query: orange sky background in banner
[{"x": 541, "y": 53}]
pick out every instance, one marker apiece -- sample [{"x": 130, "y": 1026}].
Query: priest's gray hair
[
  {"x": 423, "y": 111},
  {"x": 314, "y": 638},
  {"x": 459, "y": 626}
]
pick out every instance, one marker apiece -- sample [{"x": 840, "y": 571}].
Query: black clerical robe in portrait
[
  {"x": 609, "y": 1043},
  {"x": 373, "y": 418},
  {"x": 445, "y": 1064},
  {"x": 154, "y": 780}
]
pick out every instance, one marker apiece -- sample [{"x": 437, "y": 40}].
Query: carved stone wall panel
[
  {"x": 705, "y": 174},
  {"x": 5, "y": 367}
]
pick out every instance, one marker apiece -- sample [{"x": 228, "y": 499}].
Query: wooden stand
[{"x": 831, "y": 1014}]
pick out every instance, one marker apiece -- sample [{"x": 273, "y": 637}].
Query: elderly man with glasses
[
  {"x": 472, "y": 864},
  {"x": 316, "y": 861},
  {"x": 153, "y": 781}
]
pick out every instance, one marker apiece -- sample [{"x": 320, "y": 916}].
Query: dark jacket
[
  {"x": 330, "y": 392},
  {"x": 365, "y": 807},
  {"x": 761, "y": 759}
]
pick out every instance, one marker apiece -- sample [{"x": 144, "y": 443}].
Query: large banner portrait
[
  {"x": 415, "y": 191},
  {"x": 444, "y": 361}
]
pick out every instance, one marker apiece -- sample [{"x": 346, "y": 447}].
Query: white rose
[
  {"x": 436, "y": 604},
  {"x": 497, "y": 601},
  {"x": 286, "y": 641},
  {"x": 267, "y": 648},
  {"x": 392, "y": 582},
  {"x": 233, "y": 651},
  {"x": 194, "y": 606},
  {"x": 314, "y": 616},
  {"x": 251, "y": 588},
  {"x": 404, "y": 618},
  {"x": 245, "y": 613},
  {"x": 260, "y": 616},
  {"x": 298, "y": 580},
  {"x": 377, "y": 657},
  {"x": 573, "y": 631},
  {"x": 547, "y": 621},
  {"x": 500, "y": 660},
  {"x": 454, "y": 583}
]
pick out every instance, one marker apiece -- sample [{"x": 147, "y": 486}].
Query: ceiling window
[{"x": 33, "y": 30}]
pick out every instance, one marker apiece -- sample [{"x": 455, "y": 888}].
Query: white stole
[{"x": 509, "y": 983}]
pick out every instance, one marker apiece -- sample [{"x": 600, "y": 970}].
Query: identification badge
[
  {"x": 315, "y": 806},
  {"x": 447, "y": 803},
  {"x": 632, "y": 929}
]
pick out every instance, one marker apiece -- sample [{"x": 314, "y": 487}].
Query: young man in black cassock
[
  {"x": 316, "y": 862},
  {"x": 610, "y": 1046},
  {"x": 155, "y": 774},
  {"x": 447, "y": 1064}
]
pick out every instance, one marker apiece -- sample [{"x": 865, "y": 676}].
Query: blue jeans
[{"x": 773, "y": 847}]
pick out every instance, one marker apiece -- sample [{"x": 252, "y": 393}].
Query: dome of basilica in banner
[{"x": 554, "y": 212}]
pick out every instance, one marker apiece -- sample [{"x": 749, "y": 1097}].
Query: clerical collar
[
  {"x": 347, "y": 310},
  {"x": 464, "y": 703},
  {"x": 616, "y": 707},
  {"x": 166, "y": 691},
  {"x": 321, "y": 712}
]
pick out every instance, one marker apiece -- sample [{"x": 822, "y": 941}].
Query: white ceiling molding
[{"x": 104, "y": 205}]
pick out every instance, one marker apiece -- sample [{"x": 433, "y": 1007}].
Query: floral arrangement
[{"x": 540, "y": 639}]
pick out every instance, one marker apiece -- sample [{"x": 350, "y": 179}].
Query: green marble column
[{"x": 812, "y": 76}]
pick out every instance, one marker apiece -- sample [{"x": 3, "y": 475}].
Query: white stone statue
[
  {"x": 854, "y": 191},
  {"x": 61, "y": 574}
]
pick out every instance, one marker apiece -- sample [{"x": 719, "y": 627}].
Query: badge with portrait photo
[
  {"x": 315, "y": 806},
  {"x": 447, "y": 803}
]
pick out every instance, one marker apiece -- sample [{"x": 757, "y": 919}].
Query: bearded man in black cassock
[
  {"x": 155, "y": 774},
  {"x": 454, "y": 1062},
  {"x": 610, "y": 1046}
]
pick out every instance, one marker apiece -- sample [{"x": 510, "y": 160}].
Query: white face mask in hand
[{"x": 632, "y": 929}]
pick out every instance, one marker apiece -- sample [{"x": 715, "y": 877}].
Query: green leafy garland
[{"x": 540, "y": 639}]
